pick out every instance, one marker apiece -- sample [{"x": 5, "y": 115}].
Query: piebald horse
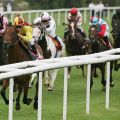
[{"x": 49, "y": 51}]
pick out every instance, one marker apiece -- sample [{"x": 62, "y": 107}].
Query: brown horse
[
  {"x": 98, "y": 45},
  {"x": 18, "y": 52},
  {"x": 116, "y": 35},
  {"x": 74, "y": 42}
]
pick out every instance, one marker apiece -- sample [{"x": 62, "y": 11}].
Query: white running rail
[
  {"x": 30, "y": 67},
  {"x": 30, "y": 15}
]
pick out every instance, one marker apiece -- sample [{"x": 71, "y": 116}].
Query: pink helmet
[{"x": 74, "y": 11}]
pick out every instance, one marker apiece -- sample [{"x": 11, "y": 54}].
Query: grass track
[{"x": 53, "y": 101}]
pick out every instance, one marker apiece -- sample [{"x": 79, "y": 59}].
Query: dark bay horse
[
  {"x": 74, "y": 42},
  {"x": 97, "y": 45},
  {"x": 116, "y": 35},
  {"x": 17, "y": 52}
]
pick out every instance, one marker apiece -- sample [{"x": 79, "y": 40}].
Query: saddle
[
  {"x": 30, "y": 52},
  {"x": 57, "y": 44}
]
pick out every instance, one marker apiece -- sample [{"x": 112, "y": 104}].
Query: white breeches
[{"x": 51, "y": 33}]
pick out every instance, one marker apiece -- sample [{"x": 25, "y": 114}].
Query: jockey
[
  {"x": 3, "y": 23},
  {"x": 75, "y": 15},
  {"x": 102, "y": 29},
  {"x": 46, "y": 21},
  {"x": 25, "y": 32}
]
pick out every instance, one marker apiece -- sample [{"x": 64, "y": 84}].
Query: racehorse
[
  {"x": 18, "y": 52},
  {"x": 116, "y": 36},
  {"x": 49, "y": 51},
  {"x": 74, "y": 42},
  {"x": 98, "y": 45}
]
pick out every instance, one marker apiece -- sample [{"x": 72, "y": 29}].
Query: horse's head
[
  {"x": 36, "y": 33},
  {"x": 73, "y": 29},
  {"x": 92, "y": 32},
  {"x": 116, "y": 28},
  {"x": 10, "y": 36}
]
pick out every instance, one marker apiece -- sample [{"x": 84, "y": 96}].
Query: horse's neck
[
  {"x": 18, "y": 53},
  {"x": 44, "y": 41}
]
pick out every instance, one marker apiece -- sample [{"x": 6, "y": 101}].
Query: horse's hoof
[
  {"x": 35, "y": 105},
  {"x": 68, "y": 76},
  {"x": 46, "y": 85},
  {"x": 27, "y": 101},
  {"x": 17, "y": 107},
  {"x": 112, "y": 84},
  {"x": 50, "y": 88}
]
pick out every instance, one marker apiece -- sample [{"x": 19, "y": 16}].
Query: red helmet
[{"x": 74, "y": 11}]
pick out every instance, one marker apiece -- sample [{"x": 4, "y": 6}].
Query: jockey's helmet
[
  {"x": 74, "y": 11},
  {"x": 94, "y": 20},
  {"x": 18, "y": 21},
  {"x": 45, "y": 17}
]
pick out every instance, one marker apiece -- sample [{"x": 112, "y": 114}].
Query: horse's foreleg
[
  {"x": 69, "y": 71},
  {"x": 46, "y": 77},
  {"x": 5, "y": 86},
  {"x": 111, "y": 78},
  {"x": 95, "y": 72},
  {"x": 116, "y": 65},
  {"x": 36, "y": 98},
  {"x": 103, "y": 81},
  {"x": 91, "y": 78},
  {"x": 82, "y": 67},
  {"x": 33, "y": 76},
  {"x": 17, "y": 107},
  {"x": 53, "y": 75},
  {"x": 26, "y": 100}
]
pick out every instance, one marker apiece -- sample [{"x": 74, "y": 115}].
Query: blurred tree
[{"x": 55, "y": 4}]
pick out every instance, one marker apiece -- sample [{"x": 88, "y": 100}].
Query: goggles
[{"x": 44, "y": 21}]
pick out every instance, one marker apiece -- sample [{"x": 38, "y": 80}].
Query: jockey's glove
[{"x": 19, "y": 35}]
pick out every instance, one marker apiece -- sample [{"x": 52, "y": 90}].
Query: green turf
[{"x": 53, "y": 101}]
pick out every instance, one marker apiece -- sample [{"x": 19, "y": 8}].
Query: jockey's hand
[{"x": 19, "y": 35}]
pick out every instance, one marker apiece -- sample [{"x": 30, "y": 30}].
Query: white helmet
[{"x": 45, "y": 16}]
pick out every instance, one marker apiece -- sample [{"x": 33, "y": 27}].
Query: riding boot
[
  {"x": 33, "y": 48},
  {"x": 59, "y": 44}
]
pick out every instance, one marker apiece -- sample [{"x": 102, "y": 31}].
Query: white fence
[
  {"x": 30, "y": 15},
  {"x": 30, "y": 67}
]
